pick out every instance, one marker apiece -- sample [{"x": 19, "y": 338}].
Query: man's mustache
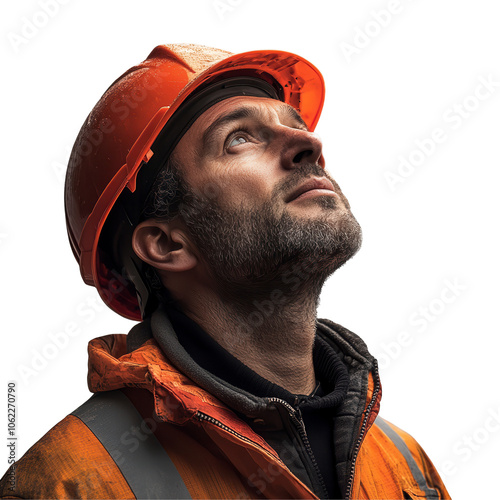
[{"x": 298, "y": 176}]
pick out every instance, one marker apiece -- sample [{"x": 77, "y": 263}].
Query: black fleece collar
[{"x": 210, "y": 356}]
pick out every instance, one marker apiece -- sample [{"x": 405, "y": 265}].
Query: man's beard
[{"x": 250, "y": 252}]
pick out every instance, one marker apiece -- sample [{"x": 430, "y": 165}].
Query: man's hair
[{"x": 163, "y": 203}]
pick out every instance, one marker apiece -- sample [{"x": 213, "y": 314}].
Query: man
[{"x": 197, "y": 201}]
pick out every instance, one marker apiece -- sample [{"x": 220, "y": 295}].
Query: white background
[{"x": 385, "y": 90}]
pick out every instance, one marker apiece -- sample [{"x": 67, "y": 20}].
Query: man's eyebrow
[
  {"x": 294, "y": 114},
  {"x": 245, "y": 112}
]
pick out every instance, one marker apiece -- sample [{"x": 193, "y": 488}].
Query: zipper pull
[{"x": 297, "y": 414}]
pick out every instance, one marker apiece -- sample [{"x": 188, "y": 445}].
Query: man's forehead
[{"x": 248, "y": 103}]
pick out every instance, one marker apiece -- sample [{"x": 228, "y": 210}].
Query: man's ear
[{"x": 164, "y": 246}]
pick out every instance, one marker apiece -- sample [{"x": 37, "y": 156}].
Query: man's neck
[{"x": 274, "y": 338}]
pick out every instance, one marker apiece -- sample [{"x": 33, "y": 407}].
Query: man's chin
[{"x": 334, "y": 237}]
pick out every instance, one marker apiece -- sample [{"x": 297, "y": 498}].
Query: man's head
[
  {"x": 252, "y": 203},
  {"x": 236, "y": 215}
]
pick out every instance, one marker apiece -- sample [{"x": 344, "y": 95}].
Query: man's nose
[{"x": 301, "y": 147}]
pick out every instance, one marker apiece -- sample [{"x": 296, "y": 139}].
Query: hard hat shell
[{"x": 115, "y": 141}]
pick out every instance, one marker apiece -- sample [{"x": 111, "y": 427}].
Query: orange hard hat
[{"x": 129, "y": 134}]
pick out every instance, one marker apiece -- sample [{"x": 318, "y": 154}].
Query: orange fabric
[
  {"x": 225, "y": 460},
  {"x": 68, "y": 462},
  {"x": 387, "y": 475},
  {"x": 199, "y": 462}
]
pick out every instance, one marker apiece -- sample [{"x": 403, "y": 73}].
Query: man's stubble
[{"x": 251, "y": 251}]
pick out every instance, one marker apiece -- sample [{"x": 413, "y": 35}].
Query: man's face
[{"x": 258, "y": 198}]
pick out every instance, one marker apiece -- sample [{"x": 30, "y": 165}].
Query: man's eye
[{"x": 238, "y": 139}]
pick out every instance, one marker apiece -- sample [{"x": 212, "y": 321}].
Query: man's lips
[{"x": 322, "y": 184}]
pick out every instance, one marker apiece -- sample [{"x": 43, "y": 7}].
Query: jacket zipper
[
  {"x": 299, "y": 424},
  {"x": 208, "y": 418},
  {"x": 362, "y": 433}
]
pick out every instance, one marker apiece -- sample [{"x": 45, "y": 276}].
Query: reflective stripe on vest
[
  {"x": 145, "y": 465},
  {"x": 405, "y": 451}
]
